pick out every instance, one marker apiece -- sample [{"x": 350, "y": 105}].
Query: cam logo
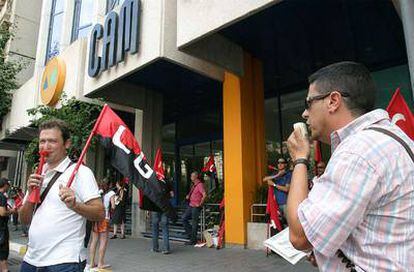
[{"x": 53, "y": 80}]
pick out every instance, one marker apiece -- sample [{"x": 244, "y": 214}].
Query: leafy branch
[{"x": 8, "y": 71}]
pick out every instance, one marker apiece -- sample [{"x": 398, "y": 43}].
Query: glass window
[
  {"x": 55, "y": 28},
  {"x": 82, "y": 21},
  {"x": 112, "y": 4},
  {"x": 279, "y": 122}
]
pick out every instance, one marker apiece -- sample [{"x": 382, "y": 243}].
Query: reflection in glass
[
  {"x": 82, "y": 23},
  {"x": 112, "y": 4},
  {"x": 276, "y": 132},
  {"x": 59, "y": 4},
  {"x": 53, "y": 47},
  {"x": 84, "y": 32}
]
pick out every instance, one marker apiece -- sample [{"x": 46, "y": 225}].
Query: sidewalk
[{"x": 134, "y": 255}]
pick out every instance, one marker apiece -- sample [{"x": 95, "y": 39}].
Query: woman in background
[
  {"x": 120, "y": 209},
  {"x": 100, "y": 230}
]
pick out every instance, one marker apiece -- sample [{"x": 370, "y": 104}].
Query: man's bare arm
[{"x": 93, "y": 210}]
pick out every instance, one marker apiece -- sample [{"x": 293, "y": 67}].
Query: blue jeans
[
  {"x": 193, "y": 214},
  {"x": 157, "y": 218},
  {"x": 65, "y": 267}
]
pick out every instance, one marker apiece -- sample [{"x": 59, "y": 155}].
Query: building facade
[
  {"x": 223, "y": 78},
  {"x": 23, "y": 20}
]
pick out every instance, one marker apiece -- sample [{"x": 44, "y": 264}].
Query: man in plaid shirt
[{"x": 362, "y": 207}]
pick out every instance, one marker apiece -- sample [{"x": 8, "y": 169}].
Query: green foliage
[
  {"x": 8, "y": 72},
  {"x": 79, "y": 115}
]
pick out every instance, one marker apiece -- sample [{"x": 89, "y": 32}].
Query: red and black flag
[
  {"x": 144, "y": 202},
  {"x": 128, "y": 158}
]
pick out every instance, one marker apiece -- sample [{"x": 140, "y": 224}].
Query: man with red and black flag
[
  {"x": 128, "y": 158},
  {"x": 157, "y": 216}
]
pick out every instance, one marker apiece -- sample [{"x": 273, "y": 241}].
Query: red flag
[
  {"x": 159, "y": 170},
  {"x": 128, "y": 158},
  {"x": 272, "y": 208},
  {"x": 210, "y": 166},
  {"x": 271, "y": 167},
  {"x": 317, "y": 154},
  {"x": 18, "y": 202},
  {"x": 400, "y": 113}
]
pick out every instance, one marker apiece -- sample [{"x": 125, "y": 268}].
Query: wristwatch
[{"x": 301, "y": 161}]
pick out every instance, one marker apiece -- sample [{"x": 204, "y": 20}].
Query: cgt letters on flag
[{"x": 128, "y": 158}]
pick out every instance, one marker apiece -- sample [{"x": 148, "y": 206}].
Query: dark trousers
[
  {"x": 157, "y": 219},
  {"x": 65, "y": 267},
  {"x": 193, "y": 214}
]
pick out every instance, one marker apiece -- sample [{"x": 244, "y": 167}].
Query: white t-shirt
[
  {"x": 56, "y": 232},
  {"x": 107, "y": 202}
]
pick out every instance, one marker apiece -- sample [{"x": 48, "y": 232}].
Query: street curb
[{"x": 19, "y": 248}]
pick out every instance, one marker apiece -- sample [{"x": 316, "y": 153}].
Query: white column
[
  {"x": 148, "y": 125},
  {"x": 137, "y": 215}
]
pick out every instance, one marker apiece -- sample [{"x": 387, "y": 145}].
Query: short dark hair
[
  {"x": 351, "y": 78},
  {"x": 58, "y": 124},
  {"x": 4, "y": 182}
]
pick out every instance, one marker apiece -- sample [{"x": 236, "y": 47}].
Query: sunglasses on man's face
[{"x": 311, "y": 99}]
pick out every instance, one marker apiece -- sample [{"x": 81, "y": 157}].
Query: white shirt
[
  {"x": 107, "y": 202},
  {"x": 56, "y": 232}
]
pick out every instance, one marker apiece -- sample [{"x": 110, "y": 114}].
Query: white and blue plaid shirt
[{"x": 364, "y": 202}]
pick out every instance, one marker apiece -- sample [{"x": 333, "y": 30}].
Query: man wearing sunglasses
[
  {"x": 359, "y": 214},
  {"x": 280, "y": 181}
]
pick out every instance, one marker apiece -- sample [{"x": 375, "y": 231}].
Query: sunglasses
[{"x": 310, "y": 100}]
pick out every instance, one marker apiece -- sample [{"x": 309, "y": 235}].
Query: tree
[
  {"x": 79, "y": 115},
  {"x": 8, "y": 71}
]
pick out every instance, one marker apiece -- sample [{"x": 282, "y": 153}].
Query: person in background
[
  {"x": 158, "y": 217},
  {"x": 4, "y": 229},
  {"x": 196, "y": 198},
  {"x": 15, "y": 202},
  {"x": 100, "y": 230},
  {"x": 119, "y": 215},
  {"x": 320, "y": 169},
  {"x": 20, "y": 199},
  {"x": 281, "y": 182}
]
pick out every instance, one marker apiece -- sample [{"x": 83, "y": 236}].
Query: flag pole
[{"x": 85, "y": 148}]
